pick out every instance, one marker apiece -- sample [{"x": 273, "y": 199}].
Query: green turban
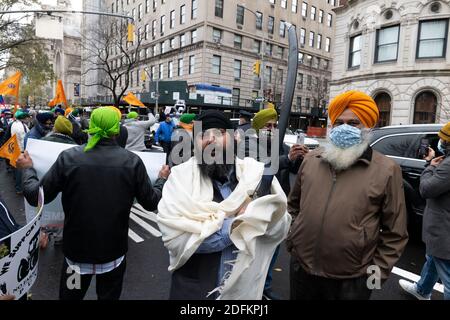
[
  {"x": 19, "y": 115},
  {"x": 264, "y": 116},
  {"x": 63, "y": 125},
  {"x": 104, "y": 124},
  {"x": 187, "y": 118},
  {"x": 132, "y": 115}
]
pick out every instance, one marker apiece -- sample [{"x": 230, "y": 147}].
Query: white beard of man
[{"x": 342, "y": 159}]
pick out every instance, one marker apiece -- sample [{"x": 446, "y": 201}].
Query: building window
[
  {"x": 153, "y": 75},
  {"x": 140, "y": 12},
  {"x": 155, "y": 50},
  {"x": 319, "y": 41},
  {"x": 154, "y": 28},
  {"x": 387, "y": 44},
  {"x": 161, "y": 71},
  {"x": 240, "y": 14},
  {"x": 147, "y": 31},
  {"x": 294, "y": 6},
  {"x": 269, "y": 49},
  {"x": 432, "y": 41},
  {"x": 320, "y": 16},
  {"x": 147, "y": 6},
  {"x": 133, "y": 13},
  {"x": 172, "y": 19},
  {"x": 237, "y": 69},
  {"x": 425, "y": 108},
  {"x": 313, "y": 13},
  {"x": 155, "y": 4},
  {"x": 259, "y": 20},
  {"x": 182, "y": 40},
  {"x": 302, "y": 36},
  {"x": 270, "y": 25},
  {"x": 282, "y": 29},
  {"x": 236, "y": 96},
  {"x": 218, "y": 11},
  {"x": 193, "y": 36},
  {"x": 194, "y": 9},
  {"x": 300, "y": 81},
  {"x": 172, "y": 43},
  {"x": 180, "y": 67},
  {"x": 328, "y": 44},
  {"x": 216, "y": 64},
  {"x": 281, "y": 52},
  {"x": 162, "y": 25},
  {"x": 191, "y": 64},
  {"x": 355, "y": 52},
  {"x": 304, "y": 9},
  {"x": 311, "y": 39},
  {"x": 217, "y": 35},
  {"x": 163, "y": 47},
  {"x": 256, "y": 46},
  {"x": 183, "y": 14},
  {"x": 308, "y": 103},
  {"x": 170, "y": 68},
  {"x": 329, "y": 20},
  {"x": 383, "y": 101},
  {"x": 269, "y": 74},
  {"x": 238, "y": 41},
  {"x": 284, "y": 4},
  {"x": 299, "y": 104}
]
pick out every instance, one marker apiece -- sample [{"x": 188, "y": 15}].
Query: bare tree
[{"x": 108, "y": 52}]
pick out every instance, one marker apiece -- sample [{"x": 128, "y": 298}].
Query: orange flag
[
  {"x": 60, "y": 95},
  {"x": 11, "y": 150},
  {"x": 133, "y": 100},
  {"x": 11, "y": 85}
]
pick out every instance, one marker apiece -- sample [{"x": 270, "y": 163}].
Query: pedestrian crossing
[{"x": 146, "y": 220}]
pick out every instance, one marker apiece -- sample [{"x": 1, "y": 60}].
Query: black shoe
[{"x": 268, "y": 294}]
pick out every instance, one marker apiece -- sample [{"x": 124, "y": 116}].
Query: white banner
[
  {"x": 45, "y": 153},
  {"x": 19, "y": 256}
]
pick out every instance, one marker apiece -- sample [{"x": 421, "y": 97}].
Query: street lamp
[{"x": 261, "y": 105}]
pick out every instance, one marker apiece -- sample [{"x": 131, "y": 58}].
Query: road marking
[
  {"x": 143, "y": 213},
  {"x": 145, "y": 225},
  {"x": 135, "y": 237},
  {"x": 414, "y": 277}
]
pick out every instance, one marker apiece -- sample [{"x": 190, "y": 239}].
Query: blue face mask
[
  {"x": 345, "y": 136},
  {"x": 442, "y": 149}
]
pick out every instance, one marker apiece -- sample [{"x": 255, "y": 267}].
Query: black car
[{"x": 408, "y": 145}]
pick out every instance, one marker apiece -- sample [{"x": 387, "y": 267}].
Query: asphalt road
[{"x": 147, "y": 277}]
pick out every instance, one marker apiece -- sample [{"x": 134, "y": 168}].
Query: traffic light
[
  {"x": 257, "y": 67},
  {"x": 130, "y": 36}
]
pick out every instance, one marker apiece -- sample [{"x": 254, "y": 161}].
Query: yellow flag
[
  {"x": 11, "y": 85},
  {"x": 60, "y": 96},
  {"x": 133, "y": 100},
  {"x": 11, "y": 150}
]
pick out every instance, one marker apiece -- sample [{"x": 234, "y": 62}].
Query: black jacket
[
  {"x": 60, "y": 138},
  {"x": 78, "y": 135},
  {"x": 98, "y": 189},
  {"x": 7, "y": 223}
]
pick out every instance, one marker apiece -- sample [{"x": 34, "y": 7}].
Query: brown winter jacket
[{"x": 346, "y": 221}]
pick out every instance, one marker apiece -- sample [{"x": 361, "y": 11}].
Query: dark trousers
[
  {"x": 309, "y": 287},
  {"x": 108, "y": 285},
  {"x": 167, "y": 147}
]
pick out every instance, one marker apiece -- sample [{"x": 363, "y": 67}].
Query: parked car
[{"x": 406, "y": 144}]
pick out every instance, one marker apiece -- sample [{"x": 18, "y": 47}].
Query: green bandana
[{"x": 104, "y": 124}]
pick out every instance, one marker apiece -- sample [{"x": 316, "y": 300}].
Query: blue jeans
[
  {"x": 268, "y": 284},
  {"x": 434, "y": 269}
]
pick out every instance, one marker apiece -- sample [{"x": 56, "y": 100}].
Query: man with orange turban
[{"x": 348, "y": 209}]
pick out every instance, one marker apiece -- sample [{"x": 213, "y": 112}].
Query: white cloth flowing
[{"x": 187, "y": 215}]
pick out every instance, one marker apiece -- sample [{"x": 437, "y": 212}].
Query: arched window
[
  {"x": 383, "y": 101},
  {"x": 425, "y": 108}
]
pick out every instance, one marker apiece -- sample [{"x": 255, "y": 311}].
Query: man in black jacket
[{"x": 99, "y": 183}]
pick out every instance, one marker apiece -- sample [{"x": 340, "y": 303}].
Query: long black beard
[{"x": 215, "y": 171}]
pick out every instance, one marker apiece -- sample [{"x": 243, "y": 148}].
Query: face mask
[
  {"x": 442, "y": 148},
  {"x": 345, "y": 136}
]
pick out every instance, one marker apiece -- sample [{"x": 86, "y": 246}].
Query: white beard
[{"x": 342, "y": 159}]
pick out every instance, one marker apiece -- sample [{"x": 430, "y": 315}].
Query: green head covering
[
  {"x": 19, "y": 115},
  {"x": 104, "y": 124},
  {"x": 264, "y": 116},
  {"x": 187, "y": 118},
  {"x": 132, "y": 115}
]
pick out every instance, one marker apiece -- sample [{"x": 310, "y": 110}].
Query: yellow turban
[
  {"x": 360, "y": 103},
  {"x": 63, "y": 125},
  {"x": 264, "y": 116},
  {"x": 116, "y": 110}
]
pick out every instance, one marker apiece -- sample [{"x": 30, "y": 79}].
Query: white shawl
[{"x": 187, "y": 215}]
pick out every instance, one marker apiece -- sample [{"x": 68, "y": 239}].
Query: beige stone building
[
  {"x": 397, "y": 52},
  {"x": 216, "y": 42}
]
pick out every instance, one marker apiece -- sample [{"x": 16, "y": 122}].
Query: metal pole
[
  {"x": 157, "y": 96},
  {"x": 262, "y": 74},
  {"x": 49, "y": 12}
]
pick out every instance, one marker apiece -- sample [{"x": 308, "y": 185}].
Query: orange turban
[
  {"x": 360, "y": 103},
  {"x": 67, "y": 112}
]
